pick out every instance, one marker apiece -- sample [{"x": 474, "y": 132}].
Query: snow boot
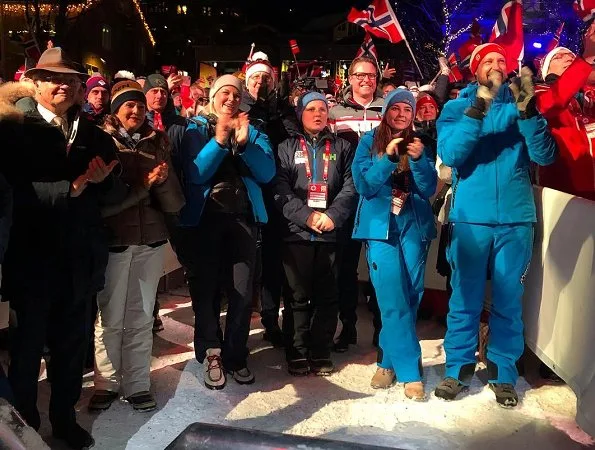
[
  {"x": 322, "y": 367},
  {"x": 383, "y": 378},
  {"x": 415, "y": 391},
  {"x": 506, "y": 396},
  {"x": 298, "y": 367},
  {"x": 449, "y": 388}
]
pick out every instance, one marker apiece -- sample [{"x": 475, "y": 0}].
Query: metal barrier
[{"x": 211, "y": 437}]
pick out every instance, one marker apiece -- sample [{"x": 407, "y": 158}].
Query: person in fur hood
[{"x": 59, "y": 166}]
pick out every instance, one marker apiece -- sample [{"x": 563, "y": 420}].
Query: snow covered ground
[{"x": 342, "y": 406}]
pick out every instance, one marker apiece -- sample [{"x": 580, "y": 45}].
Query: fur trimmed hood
[{"x": 10, "y": 93}]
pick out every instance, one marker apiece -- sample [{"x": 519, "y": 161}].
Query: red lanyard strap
[{"x": 327, "y": 158}]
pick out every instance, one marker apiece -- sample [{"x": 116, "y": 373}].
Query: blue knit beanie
[
  {"x": 306, "y": 98},
  {"x": 398, "y": 96}
]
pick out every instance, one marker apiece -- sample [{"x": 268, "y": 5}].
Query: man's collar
[{"x": 46, "y": 113}]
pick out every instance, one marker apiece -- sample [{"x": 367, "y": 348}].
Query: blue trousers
[
  {"x": 397, "y": 268},
  {"x": 506, "y": 250}
]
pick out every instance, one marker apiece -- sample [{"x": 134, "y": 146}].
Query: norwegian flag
[
  {"x": 294, "y": 46},
  {"x": 469, "y": 45},
  {"x": 31, "y": 47},
  {"x": 378, "y": 19},
  {"x": 455, "y": 74},
  {"x": 556, "y": 39},
  {"x": 508, "y": 32},
  {"x": 367, "y": 48}
]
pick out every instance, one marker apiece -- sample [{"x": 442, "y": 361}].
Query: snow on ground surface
[{"x": 342, "y": 406}]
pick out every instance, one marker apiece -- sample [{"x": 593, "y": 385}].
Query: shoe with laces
[
  {"x": 213, "y": 370},
  {"x": 243, "y": 376},
  {"x": 449, "y": 388},
  {"x": 506, "y": 396}
]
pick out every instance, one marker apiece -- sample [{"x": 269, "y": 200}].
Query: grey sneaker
[
  {"x": 243, "y": 376},
  {"x": 213, "y": 370}
]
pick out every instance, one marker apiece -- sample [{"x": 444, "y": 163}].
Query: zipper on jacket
[
  {"x": 454, "y": 194},
  {"x": 497, "y": 187},
  {"x": 313, "y": 146}
]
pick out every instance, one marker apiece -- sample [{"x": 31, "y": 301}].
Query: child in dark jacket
[{"x": 315, "y": 193}]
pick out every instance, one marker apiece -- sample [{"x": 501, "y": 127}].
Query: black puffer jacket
[
  {"x": 139, "y": 219},
  {"x": 291, "y": 185}
]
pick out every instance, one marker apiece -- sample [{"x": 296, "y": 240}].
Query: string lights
[
  {"x": 72, "y": 11},
  {"x": 145, "y": 24}
]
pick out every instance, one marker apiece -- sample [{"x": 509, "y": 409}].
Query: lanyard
[{"x": 327, "y": 158}]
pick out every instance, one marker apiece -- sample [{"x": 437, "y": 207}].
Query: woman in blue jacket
[
  {"x": 395, "y": 177},
  {"x": 225, "y": 161}
]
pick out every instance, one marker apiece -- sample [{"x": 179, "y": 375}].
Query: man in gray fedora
[{"x": 59, "y": 166}]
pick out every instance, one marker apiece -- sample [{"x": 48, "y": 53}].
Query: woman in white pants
[{"x": 138, "y": 234}]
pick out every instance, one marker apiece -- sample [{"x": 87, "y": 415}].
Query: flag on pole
[
  {"x": 455, "y": 73},
  {"x": 508, "y": 32},
  {"x": 556, "y": 39},
  {"x": 367, "y": 48},
  {"x": 378, "y": 19},
  {"x": 294, "y": 46}
]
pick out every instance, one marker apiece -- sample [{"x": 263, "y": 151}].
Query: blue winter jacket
[
  {"x": 491, "y": 158},
  {"x": 372, "y": 179},
  {"x": 201, "y": 157}
]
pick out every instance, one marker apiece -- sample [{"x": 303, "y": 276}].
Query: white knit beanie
[{"x": 225, "y": 80}]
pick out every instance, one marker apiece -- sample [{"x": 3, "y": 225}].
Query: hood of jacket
[{"x": 15, "y": 100}]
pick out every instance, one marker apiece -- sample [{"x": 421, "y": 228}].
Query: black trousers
[
  {"x": 311, "y": 269},
  {"x": 59, "y": 312},
  {"x": 348, "y": 283},
  {"x": 222, "y": 247}
]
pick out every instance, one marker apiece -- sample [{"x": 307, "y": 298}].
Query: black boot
[
  {"x": 74, "y": 435},
  {"x": 347, "y": 336},
  {"x": 275, "y": 336}
]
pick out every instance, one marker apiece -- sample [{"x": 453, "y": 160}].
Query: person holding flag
[
  {"x": 489, "y": 136},
  {"x": 571, "y": 117}
]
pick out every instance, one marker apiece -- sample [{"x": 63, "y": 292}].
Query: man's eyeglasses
[
  {"x": 360, "y": 76},
  {"x": 61, "y": 80}
]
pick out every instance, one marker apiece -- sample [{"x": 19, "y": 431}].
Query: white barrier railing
[{"x": 559, "y": 304}]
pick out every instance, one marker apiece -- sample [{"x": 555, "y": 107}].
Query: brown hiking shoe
[
  {"x": 383, "y": 378},
  {"x": 415, "y": 391},
  {"x": 213, "y": 368}
]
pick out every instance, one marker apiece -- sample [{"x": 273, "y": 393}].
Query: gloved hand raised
[
  {"x": 487, "y": 93},
  {"x": 523, "y": 90}
]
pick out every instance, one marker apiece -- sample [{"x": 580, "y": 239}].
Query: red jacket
[{"x": 573, "y": 128}]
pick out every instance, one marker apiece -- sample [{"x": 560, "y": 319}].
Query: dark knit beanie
[
  {"x": 124, "y": 91},
  {"x": 96, "y": 81},
  {"x": 155, "y": 80}
]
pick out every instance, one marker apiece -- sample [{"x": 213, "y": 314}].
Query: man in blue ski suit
[{"x": 489, "y": 136}]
